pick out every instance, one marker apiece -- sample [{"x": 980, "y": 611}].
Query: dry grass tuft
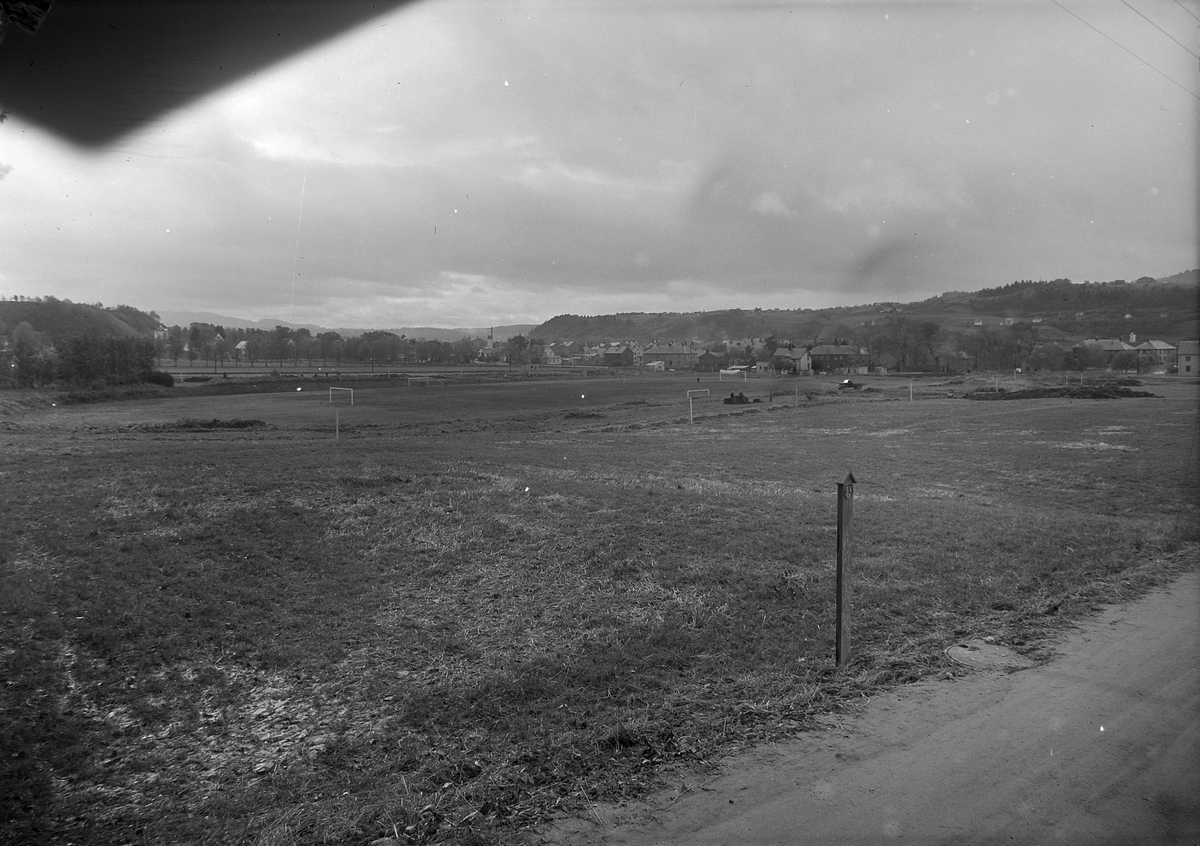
[{"x": 451, "y": 638}]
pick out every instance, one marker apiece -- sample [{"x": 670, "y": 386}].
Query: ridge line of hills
[
  {"x": 1062, "y": 310},
  {"x": 1162, "y": 308}
]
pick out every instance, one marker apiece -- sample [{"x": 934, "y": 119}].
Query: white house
[{"x": 1187, "y": 358}]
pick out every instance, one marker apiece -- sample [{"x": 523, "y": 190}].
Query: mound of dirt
[
  {"x": 1074, "y": 392},
  {"x": 189, "y": 424}
]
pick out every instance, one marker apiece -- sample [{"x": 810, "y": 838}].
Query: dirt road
[{"x": 1100, "y": 746}]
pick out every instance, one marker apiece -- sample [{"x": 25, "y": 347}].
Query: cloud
[
  {"x": 5, "y": 169},
  {"x": 770, "y": 203},
  {"x": 775, "y": 156}
]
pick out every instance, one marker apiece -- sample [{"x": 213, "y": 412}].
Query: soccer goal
[
  {"x": 691, "y": 395},
  {"x": 731, "y": 374},
  {"x": 348, "y": 390},
  {"x": 420, "y": 380}
]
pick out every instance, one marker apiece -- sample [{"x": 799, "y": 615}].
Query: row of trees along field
[
  {"x": 82, "y": 360},
  {"x": 203, "y": 344},
  {"x": 76, "y": 344},
  {"x": 82, "y": 351},
  {"x": 912, "y": 345}
]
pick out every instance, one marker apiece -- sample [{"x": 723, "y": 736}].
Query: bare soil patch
[{"x": 1095, "y": 392}]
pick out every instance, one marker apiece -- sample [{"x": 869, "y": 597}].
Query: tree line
[
  {"x": 1059, "y": 295},
  {"x": 220, "y": 346},
  {"x": 82, "y": 361},
  {"x": 912, "y": 345}
]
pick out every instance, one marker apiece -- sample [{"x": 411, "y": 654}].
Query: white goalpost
[
  {"x": 694, "y": 392},
  {"x": 420, "y": 380},
  {"x": 732, "y": 373},
  {"x": 350, "y": 390}
]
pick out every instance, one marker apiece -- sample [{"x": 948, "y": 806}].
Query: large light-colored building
[
  {"x": 1155, "y": 352},
  {"x": 1187, "y": 358}
]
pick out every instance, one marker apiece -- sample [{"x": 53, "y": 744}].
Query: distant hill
[
  {"x": 668, "y": 326},
  {"x": 429, "y": 333},
  {"x": 187, "y": 318},
  {"x": 433, "y": 333},
  {"x": 1188, "y": 277},
  {"x": 62, "y": 319},
  {"x": 1168, "y": 309}
]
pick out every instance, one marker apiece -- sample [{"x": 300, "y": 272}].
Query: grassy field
[{"x": 451, "y": 612}]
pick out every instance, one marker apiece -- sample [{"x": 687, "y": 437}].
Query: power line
[
  {"x": 1163, "y": 31},
  {"x": 1127, "y": 50}
]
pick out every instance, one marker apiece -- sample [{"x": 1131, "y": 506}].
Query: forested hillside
[
  {"x": 57, "y": 320},
  {"x": 1061, "y": 295},
  {"x": 733, "y": 323},
  {"x": 1169, "y": 309}
]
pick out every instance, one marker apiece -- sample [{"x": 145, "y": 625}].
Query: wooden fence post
[{"x": 845, "y": 516}]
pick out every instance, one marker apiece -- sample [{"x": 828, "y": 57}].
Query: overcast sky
[{"x": 477, "y": 163}]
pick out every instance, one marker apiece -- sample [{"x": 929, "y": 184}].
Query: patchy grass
[
  {"x": 1096, "y": 392},
  {"x": 190, "y": 424},
  {"x": 477, "y": 610}
]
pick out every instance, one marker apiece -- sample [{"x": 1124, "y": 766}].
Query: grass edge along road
[{"x": 451, "y": 634}]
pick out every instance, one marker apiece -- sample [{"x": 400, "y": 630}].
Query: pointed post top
[{"x": 849, "y": 480}]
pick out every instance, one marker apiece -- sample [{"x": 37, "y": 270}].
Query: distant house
[
  {"x": 619, "y": 356},
  {"x": 1155, "y": 353},
  {"x": 1187, "y": 357},
  {"x": 711, "y": 362},
  {"x": 567, "y": 352},
  {"x": 673, "y": 356},
  {"x": 836, "y": 358},
  {"x": 798, "y": 360},
  {"x": 751, "y": 343},
  {"x": 1109, "y": 346}
]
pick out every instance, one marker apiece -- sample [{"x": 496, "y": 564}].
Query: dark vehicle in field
[{"x": 849, "y": 383}]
